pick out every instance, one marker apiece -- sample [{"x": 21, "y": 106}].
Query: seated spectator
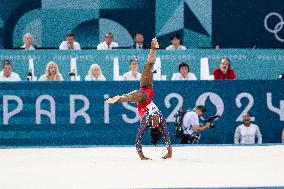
[
  {"x": 175, "y": 40},
  {"x": 51, "y": 73},
  {"x": 184, "y": 73},
  {"x": 70, "y": 43},
  {"x": 28, "y": 42},
  {"x": 281, "y": 76},
  {"x": 224, "y": 72},
  {"x": 139, "y": 42},
  {"x": 108, "y": 44},
  {"x": 133, "y": 74},
  {"x": 247, "y": 132},
  {"x": 95, "y": 74},
  {"x": 7, "y": 74},
  {"x": 283, "y": 136}
]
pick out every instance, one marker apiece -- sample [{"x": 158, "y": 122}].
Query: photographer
[{"x": 191, "y": 126}]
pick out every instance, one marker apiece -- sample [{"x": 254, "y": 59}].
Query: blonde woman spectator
[
  {"x": 51, "y": 73},
  {"x": 95, "y": 74},
  {"x": 28, "y": 42},
  {"x": 133, "y": 74}
]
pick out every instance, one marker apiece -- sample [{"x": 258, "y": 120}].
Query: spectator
[
  {"x": 139, "y": 42},
  {"x": 51, "y": 73},
  {"x": 28, "y": 42},
  {"x": 133, "y": 74},
  {"x": 108, "y": 44},
  {"x": 95, "y": 74},
  {"x": 70, "y": 43},
  {"x": 247, "y": 132},
  {"x": 175, "y": 40},
  {"x": 224, "y": 72},
  {"x": 7, "y": 74},
  {"x": 191, "y": 126},
  {"x": 283, "y": 136},
  {"x": 184, "y": 73}
]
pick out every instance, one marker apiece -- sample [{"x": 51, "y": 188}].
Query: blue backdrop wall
[
  {"x": 202, "y": 23},
  {"x": 74, "y": 113}
]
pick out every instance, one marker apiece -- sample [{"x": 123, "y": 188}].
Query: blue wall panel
[{"x": 117, "y": 124}]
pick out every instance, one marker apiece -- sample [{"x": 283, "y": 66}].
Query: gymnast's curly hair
[{"x": 156, "y": 135}]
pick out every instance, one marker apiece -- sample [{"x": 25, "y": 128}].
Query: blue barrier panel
[
  {"x": 74, "y": 113},
  {"x": 248, "y": 63}
]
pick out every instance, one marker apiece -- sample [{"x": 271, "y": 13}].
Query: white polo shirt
[
  {"x": 31, "y": 47},
  {"x": 189, "y": 76},
  {"x": 129, "y": 77},
  {"x": 44, "y": 78},
  {"x": 104, "y": 46},
  {"x": 92, "y": 78},
  {"x": 171, "y": 47},
  {"x": 13, "y": 77},
  {"x": 64, "y": 46}
]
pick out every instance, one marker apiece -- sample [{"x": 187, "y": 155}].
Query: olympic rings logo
[{"x": 277, "y": 28}]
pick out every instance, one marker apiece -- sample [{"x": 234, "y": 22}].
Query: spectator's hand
[{"x": 70, "y": 45}]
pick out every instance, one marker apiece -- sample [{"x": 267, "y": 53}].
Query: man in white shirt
[
  {"x": 247, "y": 132},
  {"x": 133, "y": 74},
  {"x": 108, "y": 44},
  {"x": 183, "y": 73},
  {"x": 7, "y": 74},
  {"x": 175, "y": 40},
  {"x": 28, "y": 42},
  {"x": 191, "y": 125},
  {"x": 70, "y": 43}
]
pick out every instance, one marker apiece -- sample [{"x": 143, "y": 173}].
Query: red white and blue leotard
[
  {"x": 142, "y": 108},
  {"x": 146, "y": 110}
]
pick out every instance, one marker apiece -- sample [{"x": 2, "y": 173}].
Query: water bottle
[
  {"x": 30, "y": 75},
  {"x": 72, "y": 75}
]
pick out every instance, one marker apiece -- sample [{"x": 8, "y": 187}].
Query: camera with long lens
[{"x": 211, "y": 120}]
